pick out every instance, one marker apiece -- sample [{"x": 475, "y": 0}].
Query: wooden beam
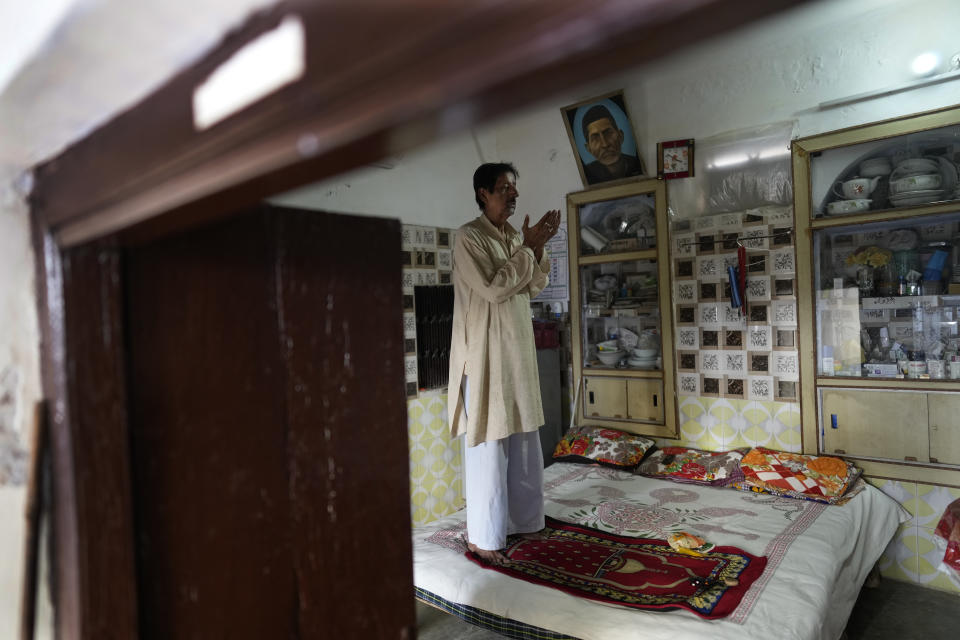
[{"x": 389, "y": 75}]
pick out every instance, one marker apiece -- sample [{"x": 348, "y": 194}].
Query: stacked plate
[
  {"x": 922, "y": 180},
  {"x": 643, "y": 358}
]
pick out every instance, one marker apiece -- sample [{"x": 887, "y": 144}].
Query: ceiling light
[
  {"x": 730, "y": 160},
  {"x": 773, "y": 152},
  {"x": 925, "y": 63}
]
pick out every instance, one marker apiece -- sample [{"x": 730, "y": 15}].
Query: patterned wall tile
[
  {"x": 932, "y": 501},
  {"x": 899, "y": 560},
  {"x": 436, "y": 460},
  {"x": 904, "y": 493}
]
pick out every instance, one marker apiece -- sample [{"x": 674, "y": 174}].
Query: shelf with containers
[
  {"x": 620, "y": 308},
  {"x": 878, "y": 263}
]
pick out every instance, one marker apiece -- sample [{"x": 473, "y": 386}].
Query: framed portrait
[
  {"x": 603, "y": 140},
  {"x": 675, "y": 159}
]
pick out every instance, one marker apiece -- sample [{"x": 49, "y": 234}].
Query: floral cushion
[
  {"x": 608, "y": 447},
  {"x": 821, "y": 478},
  {"x": 682, "y": 464}
]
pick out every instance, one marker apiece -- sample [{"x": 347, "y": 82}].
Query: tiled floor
[{"x": 893, "y": 611}]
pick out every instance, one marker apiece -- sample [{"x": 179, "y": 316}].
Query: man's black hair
[
  {"x": 485, "y": 177},
  {"x": 594, "y": 113}
]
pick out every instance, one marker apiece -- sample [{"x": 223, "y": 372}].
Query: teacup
[
  {"x": 916, "y": 183},
  {"x": 856, "y": 188},
  {"x": 848, "y": 206}
]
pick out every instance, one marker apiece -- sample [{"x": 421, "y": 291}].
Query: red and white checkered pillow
[{"x": 822, "y": 478}]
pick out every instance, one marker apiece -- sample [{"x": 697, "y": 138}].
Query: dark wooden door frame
[{"x": 424, "y": 70}]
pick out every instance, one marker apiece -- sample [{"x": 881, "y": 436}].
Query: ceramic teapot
[{"x": 856, "y": 188}]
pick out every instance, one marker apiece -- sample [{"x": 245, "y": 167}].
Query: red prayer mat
[{"x": 643, "y": 573}]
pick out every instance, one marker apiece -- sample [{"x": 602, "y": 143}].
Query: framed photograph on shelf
[
  {"x": 675, "y": 159},
  {"x": 602, "y": 138}
]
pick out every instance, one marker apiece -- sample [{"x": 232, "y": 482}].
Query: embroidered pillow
[
  {"x": 820, "y": 478},
  {"x": 694, "y": 466},
  {"x": 609, "y": 447}
]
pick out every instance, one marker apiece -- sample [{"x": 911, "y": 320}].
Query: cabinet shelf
[
  {"x": 885, "y": 215},
  {"x": 599, "y": 258}
]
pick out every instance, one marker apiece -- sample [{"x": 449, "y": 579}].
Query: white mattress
[{"x": 818, "y": 557}]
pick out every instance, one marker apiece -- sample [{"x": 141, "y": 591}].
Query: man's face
[
  {"x": 500, "y": 204},
  {"x": 604, "y": 140}
]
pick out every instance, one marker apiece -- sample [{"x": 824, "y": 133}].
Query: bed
[{"x": 818, "y": 556}]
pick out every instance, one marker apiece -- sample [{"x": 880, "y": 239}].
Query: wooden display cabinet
[
  {"x": 878, "y": 266},
  {"x": 621, "y": 308}
]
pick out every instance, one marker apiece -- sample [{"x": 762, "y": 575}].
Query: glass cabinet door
[
  {"x": 619, "y": 225},
  {"x": 910, "y": 170},
  {"x": 888, "y": 298},
  {"x": 621, "y": 315}
]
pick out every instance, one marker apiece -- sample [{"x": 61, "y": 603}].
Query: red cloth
[
  {"x": 642, "y": 573},
  {"x": 949, "y": 529},
  {"x": 546, "y": 334}
]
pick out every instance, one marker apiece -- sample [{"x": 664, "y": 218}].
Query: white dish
[
  {"x": 915, "y": 197},
  {"x": 915, "y": 184},
  {"x": 914, "y": 166},
  {"x": 610, "y": 358},
  {"x": 645, "y": 353},
  {"x": 873, "y": 167},
  {"x": 917, "y": 194},
  {"x": 642, "y": 364},
  {"x": 848, "y": 206}
]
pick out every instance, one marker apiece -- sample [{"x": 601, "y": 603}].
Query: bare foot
[{"x": 487, "y": 555}]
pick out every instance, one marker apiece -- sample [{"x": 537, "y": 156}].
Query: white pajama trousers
[{"x": 503, "y": 483}]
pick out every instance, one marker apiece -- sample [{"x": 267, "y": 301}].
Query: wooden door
[
  {"x": 645, "y": 400},
  {"x": 875, "y": 424},
  {"x": 944, "y": 427},
  {"x": 605, "y": 398},
  {"x": 258, "y": 369}
]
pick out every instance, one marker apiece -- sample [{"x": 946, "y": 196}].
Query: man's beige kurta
[{"x": 494, "y": 277}]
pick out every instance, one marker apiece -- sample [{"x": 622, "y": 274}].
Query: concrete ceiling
[{"x": 77, "y": 63}]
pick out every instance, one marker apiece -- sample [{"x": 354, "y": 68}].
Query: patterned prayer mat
[{"x": 643, "y": 573}]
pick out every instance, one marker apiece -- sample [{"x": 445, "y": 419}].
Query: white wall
[{"x": 19, "y": 390}]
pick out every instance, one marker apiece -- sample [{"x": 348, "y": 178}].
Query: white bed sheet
[{"x": 818, "y": 557}]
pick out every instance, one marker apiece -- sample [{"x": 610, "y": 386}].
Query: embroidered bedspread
[{"x": 817, "y": 557}]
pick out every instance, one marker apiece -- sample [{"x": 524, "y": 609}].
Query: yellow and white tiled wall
[
  {"x": 719, "y": 424},
  {"x": 914, "y": 556},
  {"x": 436, "y": 460}
]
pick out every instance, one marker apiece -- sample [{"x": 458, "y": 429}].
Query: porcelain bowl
[
  {"x": 873, "y": 167},
  {"x": 916, "y": 165},
  {"x": 848, "y": 206},
  {"x": 921, "y": 182},
  {"x": 610, "y": 358},
  {"x": 644, "y": 353}
]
